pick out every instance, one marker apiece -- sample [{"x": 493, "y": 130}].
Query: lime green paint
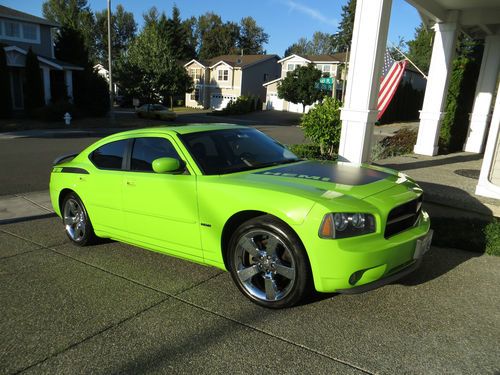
[
  {"x": 184, "y": 214},
  {"x": 164, "y": 165}
]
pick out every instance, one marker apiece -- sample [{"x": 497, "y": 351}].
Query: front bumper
[{"x": 366, "y": 262}]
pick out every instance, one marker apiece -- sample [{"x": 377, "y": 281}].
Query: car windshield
[
  {"x": 158, "y": 107},
  {"x": 235, "y": 150}
]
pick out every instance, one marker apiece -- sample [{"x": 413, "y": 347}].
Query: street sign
[
  {"x": 327, "y": 80},
  {"x": 325, "y": 84}
]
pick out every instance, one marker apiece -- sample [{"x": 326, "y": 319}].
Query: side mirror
[{"x": 166, "y": 165}]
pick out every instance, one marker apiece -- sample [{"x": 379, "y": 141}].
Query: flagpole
[{"x": 411, "y": 62}]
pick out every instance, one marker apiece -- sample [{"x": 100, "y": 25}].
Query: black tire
[
  {"x": 76, "y": 221},
  {"x": 268, "y": 263}
]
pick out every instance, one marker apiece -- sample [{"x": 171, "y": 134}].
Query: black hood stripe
[{"x": 328, "y": 172}]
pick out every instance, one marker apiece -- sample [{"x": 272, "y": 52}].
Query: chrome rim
[
  {"x": 264, "y": 265},
  {"x": 74, "y": 219}
]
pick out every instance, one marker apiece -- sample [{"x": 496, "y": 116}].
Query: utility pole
[{"x": 111, "y": 93}]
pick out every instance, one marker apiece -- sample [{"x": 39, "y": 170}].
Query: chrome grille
[{"x": 403, "y": 217}]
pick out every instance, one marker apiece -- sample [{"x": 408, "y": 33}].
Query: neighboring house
[
  {"x": 104, "y": 73},
  {"x": 330, "y": 65},
  {"x": 225, "y": 78},
  {"x": 18, "y": 33}
]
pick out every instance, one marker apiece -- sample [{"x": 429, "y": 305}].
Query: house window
[
  {"x": 30, "y": 31},
  {"x": 12, "y": 29},
  {"x": 223, "y": 75},
  {"x": 266, "y": 77},
  {"x": 291, "y": 67},
  {"x": 195, "y": 73}
]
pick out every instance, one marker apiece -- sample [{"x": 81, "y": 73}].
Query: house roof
[
  {"x": 335, "y": 57},
  {"x": 241, "y": 61},
  {"x": 10, "y": 13},
  {"x": 54, "y": 63}
]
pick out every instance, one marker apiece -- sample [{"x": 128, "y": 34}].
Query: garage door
[
  {"x": 220, "y": 101},
  {"x": 273, "y": 102}
]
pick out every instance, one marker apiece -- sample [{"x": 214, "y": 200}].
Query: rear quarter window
[{"x": 110, "y": 155}]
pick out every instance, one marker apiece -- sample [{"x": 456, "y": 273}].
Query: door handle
[{"x": 130, "y": 183}]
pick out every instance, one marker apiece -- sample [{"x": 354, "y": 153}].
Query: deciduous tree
[{"x": 300, "y": 86}]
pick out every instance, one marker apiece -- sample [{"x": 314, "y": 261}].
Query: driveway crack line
[
  {"x": 180, "y": 299},
  {"x": 95, "y": 334}
]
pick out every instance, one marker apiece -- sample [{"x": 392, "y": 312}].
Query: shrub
[
  {"x": 33, "y": 87},
  {"x": 492, "y": 234},
  {"x": 322, "y": 126},
  {"x": 243, "y": 104},
  {"x": 55, "y": 111},
  {"x": 401, "y": 143},
  {"x": 5, "y": 99},
  {"x": 307, "y": 151}
]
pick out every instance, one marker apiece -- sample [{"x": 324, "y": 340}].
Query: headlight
[{"x": 346, "y": 224}]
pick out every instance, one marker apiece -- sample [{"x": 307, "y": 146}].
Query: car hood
[{"x": 322, "y": 179}]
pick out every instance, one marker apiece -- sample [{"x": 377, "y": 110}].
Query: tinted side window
[
  {"x": 146, "y": 150},
  {"x": 109, "y": 156}
]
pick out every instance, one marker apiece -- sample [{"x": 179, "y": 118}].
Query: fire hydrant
[{"x": 67, "y": 118}]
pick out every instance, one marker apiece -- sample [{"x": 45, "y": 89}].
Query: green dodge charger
[{"x": 233, "y": 198}]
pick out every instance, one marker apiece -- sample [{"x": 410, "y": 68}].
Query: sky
[{"x": 284, "y": 20}]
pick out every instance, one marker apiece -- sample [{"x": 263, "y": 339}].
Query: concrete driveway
[{"x": 114, "y": 308}]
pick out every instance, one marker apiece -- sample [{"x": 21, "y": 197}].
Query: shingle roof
[
  {"x": 239, "y": 60},
  {"x": 10, "y": 13},
  {"x": 340, "y": 56}
]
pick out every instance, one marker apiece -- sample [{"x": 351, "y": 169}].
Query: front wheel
[
  {"x": 76, "y": 221},
  {"x": 268, "y": 263}
]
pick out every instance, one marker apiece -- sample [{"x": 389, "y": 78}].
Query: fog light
[{"x": 355, "y": 277}]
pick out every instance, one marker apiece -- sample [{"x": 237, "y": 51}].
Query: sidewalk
[{"x": 19, "y": 207}]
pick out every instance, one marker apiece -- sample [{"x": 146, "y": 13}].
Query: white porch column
[
  {"x": 436, "y": 91},
  {"x": 371, "y": 24},
  {"x": 68, "y": 79},
  {"x": 46, "y": 84},
  {"x": 484, "y": 94},
  {"x": 485, "y": 187}
]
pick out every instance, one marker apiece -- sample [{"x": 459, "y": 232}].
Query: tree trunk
[{"x": 171, "y": 102}]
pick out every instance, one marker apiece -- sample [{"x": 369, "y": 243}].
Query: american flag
[{"x": 392, "y": 72}]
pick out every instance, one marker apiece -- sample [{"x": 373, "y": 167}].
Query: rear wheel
[
  {"x": 268, "y": 263},
  {"x": 76, "y": 221}
]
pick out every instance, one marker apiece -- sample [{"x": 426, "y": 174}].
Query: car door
[
  {"x": 102, "y": 188},
  {"x": 161, "y": 209}
]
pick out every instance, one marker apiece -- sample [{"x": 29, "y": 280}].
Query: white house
[
  {"x": 478, "y": 18},
  {"x": 330, "y": 65}
]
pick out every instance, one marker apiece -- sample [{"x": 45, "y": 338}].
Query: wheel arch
[
  {"x": 62, "y": 194},
  {"x": 239, "y": 218}
]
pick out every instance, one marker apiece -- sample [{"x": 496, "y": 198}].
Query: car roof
[{"x": 183, "y": 129}]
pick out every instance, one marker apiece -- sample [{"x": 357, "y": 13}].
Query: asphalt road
[
  {"x": 26, "y": 162},
  {"x": 114, "y": 308}
]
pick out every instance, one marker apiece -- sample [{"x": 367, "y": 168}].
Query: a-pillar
[
  {"x": 46, "y": 84},
  {"x": 371, "y": 23},
  {"x": 432, "y": 114},
  {"x": 484, "y": 95},
  {"x": 68, "y": 79},
  {"x": 491, "y": 159}
]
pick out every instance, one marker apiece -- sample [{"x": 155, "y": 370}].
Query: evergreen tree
[
  {"x": 150, "y": 70},
  {"x": 33, "y": 88},
  {"x": 251, "y": 37},
  {"x": 123, "y": 29},
  {"x": 216, "y": 38},
  {"x": 420, "y": 48},
  {"x": 90, "y": 90},
  {"x": 5, "y": 98},
  {"x": 299, "y": 86},
  {"x": 320, "y": 44},
  {"x": 75, "y": 14},
  {"x": 344, "y": 36}
]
